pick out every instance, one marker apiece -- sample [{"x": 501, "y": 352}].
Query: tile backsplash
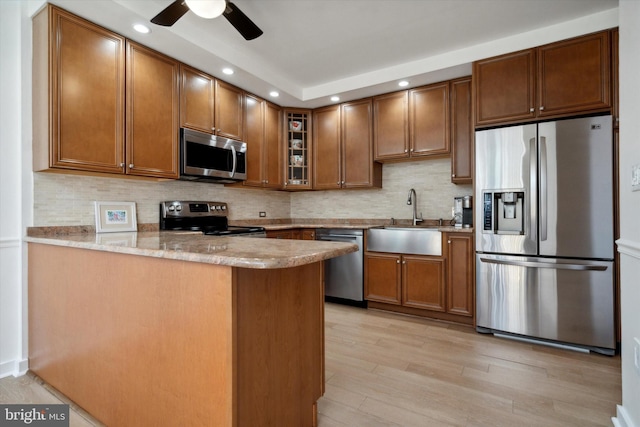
[{"x": 61, "y": 199}]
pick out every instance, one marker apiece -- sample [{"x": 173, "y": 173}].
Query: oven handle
[{"x": 580, "y": 267}]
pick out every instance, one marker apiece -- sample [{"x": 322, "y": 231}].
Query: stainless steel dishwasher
[{"x": 343, "y": 275}]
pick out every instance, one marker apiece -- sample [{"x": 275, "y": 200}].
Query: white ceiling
[{"x": 312, "y": 49}]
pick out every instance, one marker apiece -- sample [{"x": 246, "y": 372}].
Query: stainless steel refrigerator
[{"x": 545, "y": 232}]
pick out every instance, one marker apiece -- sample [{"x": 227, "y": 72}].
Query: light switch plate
[
  {"x": 635, "y": 178},
  {"x": 262, "y": 214}
]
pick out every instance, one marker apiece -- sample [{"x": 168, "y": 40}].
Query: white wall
[
  {"x": 629, "y": 243},
  {"x": 11, "y": 136}
]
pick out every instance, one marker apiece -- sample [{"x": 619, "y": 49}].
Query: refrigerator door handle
[
  {"x": 543, "y": 188},
  {"x": 555, "y": 266},
  {"x": 531, "y": 227}
]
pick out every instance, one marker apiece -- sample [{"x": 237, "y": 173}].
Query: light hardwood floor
[{"x": 384, "y": 369}]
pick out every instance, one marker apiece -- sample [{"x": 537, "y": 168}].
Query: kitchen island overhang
[{"x": 144, "y": 335}]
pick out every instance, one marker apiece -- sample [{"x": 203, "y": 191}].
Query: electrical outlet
[
  {"x": 635, "y": 178},
  {"x": 262, "y": 214},
  {"x": 636, "y": 355}
]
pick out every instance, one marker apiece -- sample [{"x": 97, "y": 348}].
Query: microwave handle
[{"x": 235, "y": 161}]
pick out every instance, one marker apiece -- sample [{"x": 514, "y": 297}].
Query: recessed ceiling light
[
  {"x": 335, "y": 98},
  {"x": 227, "y": 71},
  {"x": 403, "y": 83},
  {"x": 274, "y": 94},
  {"x": 141, "y": 28}
]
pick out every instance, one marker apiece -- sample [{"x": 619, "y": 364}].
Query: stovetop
[{"x": 209, "y": 217}]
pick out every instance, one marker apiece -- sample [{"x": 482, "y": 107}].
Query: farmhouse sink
[{"x": 405, "y": 240}]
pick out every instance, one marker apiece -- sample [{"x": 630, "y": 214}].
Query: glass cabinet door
[{"x": 298, "y": 161}]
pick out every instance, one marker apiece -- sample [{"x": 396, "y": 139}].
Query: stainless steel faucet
[{"x": 413, "y": 200}]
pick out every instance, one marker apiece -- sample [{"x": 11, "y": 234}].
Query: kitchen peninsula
[{"x": 168, "y": 328}]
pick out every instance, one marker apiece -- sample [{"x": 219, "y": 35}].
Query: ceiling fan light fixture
[{"x": 207, "y": 8}]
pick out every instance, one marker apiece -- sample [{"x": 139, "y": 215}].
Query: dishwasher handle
[
  {"x": 338, "y": 236},
  {"x": 555, "y": 266}
]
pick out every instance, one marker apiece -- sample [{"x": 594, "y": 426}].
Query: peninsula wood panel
[
  {"x": 149, "y": 341},
  {"x": 133, "y": 340}
]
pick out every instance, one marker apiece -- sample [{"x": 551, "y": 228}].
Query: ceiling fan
[{"x": 209, "y": 9}]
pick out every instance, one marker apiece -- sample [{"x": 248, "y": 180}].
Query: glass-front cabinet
[{"x": 298, "y": 143}]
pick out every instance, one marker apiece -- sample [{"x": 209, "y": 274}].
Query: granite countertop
[
  {"x": 355, "y": 225},
  {"x": 244, "y": 252}
]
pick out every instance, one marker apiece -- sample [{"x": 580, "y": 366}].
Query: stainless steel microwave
[{"x": 205, "y": 157}]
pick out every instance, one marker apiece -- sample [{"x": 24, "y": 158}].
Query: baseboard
[
  {"x": 14, "y": 367},
  {"x": 622, "y": 419}
]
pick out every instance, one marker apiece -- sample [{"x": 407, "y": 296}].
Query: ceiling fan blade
[
  {"x": 241, "y": 22},
  {"x": 171, "y": 13}
]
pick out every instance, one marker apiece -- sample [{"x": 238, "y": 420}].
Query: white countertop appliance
[{"x": 544, "y": 232}]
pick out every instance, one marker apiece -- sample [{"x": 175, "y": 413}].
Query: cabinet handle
[
  {"x": 130, "y": 165},
  {"x": 453, "y": 175},
  {"x": 531, "y": 110},
  {"x": 121, "y": 165},
  {"x": 541, "y": 108},
  {"x": 406, "y": 150},
  {"x": 397, "y": 261},
  {"x": 342, "y": 182},
  {"x": 404, "y": 262},
  {"x": 411, "y": 150},
  {"x": 449, "y": 241}
]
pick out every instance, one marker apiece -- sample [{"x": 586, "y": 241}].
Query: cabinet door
[
  {"x": 504, "y": 88},
  {"x": 358, "y": 167},
  {"x": 297, "y": 156},
  {"x": 87, "y": 94},
  {"x": 574, "y": 75},
  {"x": 272, "y": 161},
  {"x": 254, "y": 137},
  {"x": 461, "y": 132},
  {"x": 308, "y": 234},
  {"x": 429, "y": 120},
  {"x": 196, "y": 99},
  {"x": 423, "y": 282},
  {"x": 391, "y": 126},
  {"x": 326, "y": 148},
  {"x": 460, "y": 274},
  {"x": 152, "y": 113},
  {"x": 383, "y": 278},
  {"x": 229, "y": 111}
]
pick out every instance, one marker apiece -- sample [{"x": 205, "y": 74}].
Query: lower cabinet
[{"x": 429, "y": 286}]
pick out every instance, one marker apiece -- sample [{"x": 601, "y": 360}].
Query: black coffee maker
[{"x": 467, "y": 212}]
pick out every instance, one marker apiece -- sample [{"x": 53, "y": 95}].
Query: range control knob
[
  {"x": 171, "y": 208},
  {"x": 178, "y": 208}
]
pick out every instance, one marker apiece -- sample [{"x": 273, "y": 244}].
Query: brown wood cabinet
[
  {"x": 78, "y": 94},
  {"x": 391, "y": 126},
  {"x": 429, "y": 120},
  {"x": 343, "y": 143},
  {"x": 615, "y": 75},
  {"x": 299, "y": 165},
  {"x": 555, "y": 80},
  {"x": 412, "y": 123},
  {"x": 327, "y": 156},
  {"x": 408, "y": 280},
  {"x": 101, "y": 104},
  {"x": 152, "y": 113},
  {"x": 462, "y": 132},
  {"x": 197, "y": 95},
  {"x": 293, "y": 233},
  {"x": 229, "y": 111},
  {"x": 262, "y": 132},
  {"x": 460, "y": 274},
  {"x": 440, "y": 287}
]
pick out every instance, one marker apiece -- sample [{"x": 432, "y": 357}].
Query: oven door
[{"x": 209, "y": 157}]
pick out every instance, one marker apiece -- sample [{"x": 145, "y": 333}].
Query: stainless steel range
[{"x": 209, "y": 217}]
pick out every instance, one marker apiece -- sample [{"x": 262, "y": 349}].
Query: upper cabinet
[
  {"x": 343, "y": 147},
  {"x": 152, "y": 113},
  {"x": 263, "y": 135},
  {"x": 556, "y": 80},
  {"x": 210, "y": 105},
  {"x": 412, "y": 123},
  {"x": 462, "y": 135},
  {"x": 229, "y": 115},
  {"x": 78, "y": 94},
  {"x": 101, "y": 104},
  {"x": 298, "y": 149},
  {"x": 197, "y": 95}
]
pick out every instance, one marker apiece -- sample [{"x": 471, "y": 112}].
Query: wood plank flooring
[{"x": 385, "y": 369}]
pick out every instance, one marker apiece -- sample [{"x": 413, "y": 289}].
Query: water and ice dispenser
[{"x": 503, "y": 212}]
